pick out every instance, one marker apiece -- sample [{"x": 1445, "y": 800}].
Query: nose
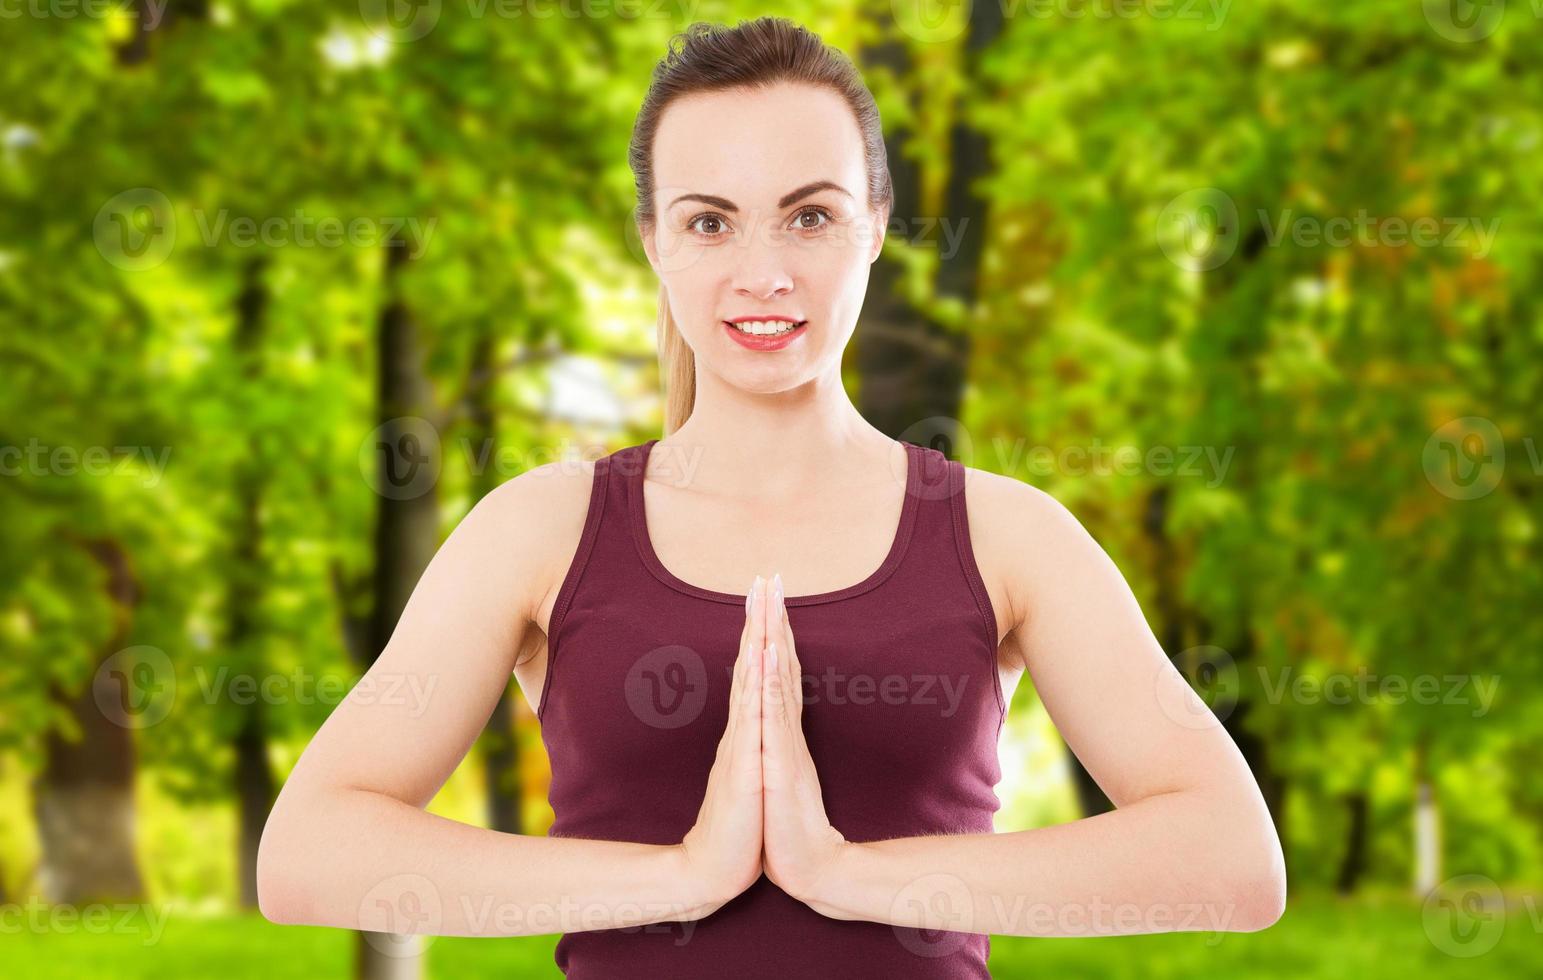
[{"x": 761, "y": 272}]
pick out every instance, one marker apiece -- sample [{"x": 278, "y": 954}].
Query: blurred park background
[{"x": 1251, "y": 286}]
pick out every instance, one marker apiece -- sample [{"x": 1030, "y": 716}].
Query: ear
[
  {"x": 646, "y": 234},
  {"x": 881, "y": 228}
]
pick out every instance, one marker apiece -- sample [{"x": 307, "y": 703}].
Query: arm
[
  {"x": 348, "y": 842},
  {"x": 1191, "y": 845}
]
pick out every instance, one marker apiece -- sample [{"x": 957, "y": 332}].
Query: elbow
[
  {"x": 1259, "y": 898},
  {"x": 280, "y": 898}
]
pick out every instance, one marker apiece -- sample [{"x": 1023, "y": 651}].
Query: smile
[{"x": 765, "y": 335}]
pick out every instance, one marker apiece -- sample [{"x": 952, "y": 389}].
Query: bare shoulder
[
  {"x": 531, "y": 524},
  {"x": 1020, "y": 534}
]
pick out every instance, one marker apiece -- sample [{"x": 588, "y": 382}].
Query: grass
[{"x": 1319, "y": 936}]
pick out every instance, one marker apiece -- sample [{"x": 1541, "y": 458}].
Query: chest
[{"x": 818, "y": 546}]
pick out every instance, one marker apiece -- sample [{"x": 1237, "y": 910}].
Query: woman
[{"x": 817, "y": 798}]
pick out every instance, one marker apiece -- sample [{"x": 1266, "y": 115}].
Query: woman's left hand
[{"x": 799, "y": 845}]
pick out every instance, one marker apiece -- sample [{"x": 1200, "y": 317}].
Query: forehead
[{"x": 754, "y": 145}]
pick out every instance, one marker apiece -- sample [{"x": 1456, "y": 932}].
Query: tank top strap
[
  {"x": 960, "y": 521},
  {"x": 941, "y": 543},
  {"x": 603, "y": 494}
]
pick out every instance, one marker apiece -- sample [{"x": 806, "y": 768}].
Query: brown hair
[{"x": 754, "y": 54}]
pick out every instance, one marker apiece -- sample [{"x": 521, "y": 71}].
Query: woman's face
[{"x": 763, "y": 212}]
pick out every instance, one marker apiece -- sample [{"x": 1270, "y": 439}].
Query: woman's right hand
[{"x": 723, "y": 850}]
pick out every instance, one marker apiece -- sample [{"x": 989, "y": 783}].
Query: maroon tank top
[{"x": 902, "y": 711}]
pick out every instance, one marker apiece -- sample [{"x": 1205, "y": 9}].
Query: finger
[
  {"x": 787, "y": 650},
  {"x": 784, "y": 670},
  {"x": 741, "y": 671},
  {"x": 747, "y": 673},
  {"x": 772, "y": 730},
  {"x": 748, "y": 713},
  {"x": 758, "y": 609},
  {"x": 744, "y": 668}
]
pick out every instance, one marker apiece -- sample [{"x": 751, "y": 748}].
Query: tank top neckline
[{"x": 635, "y": 479}]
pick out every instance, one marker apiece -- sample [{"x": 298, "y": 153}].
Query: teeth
[{"x": 762, "y": 327}]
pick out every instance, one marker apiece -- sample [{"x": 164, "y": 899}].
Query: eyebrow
[{"x": 788, "y": 198}]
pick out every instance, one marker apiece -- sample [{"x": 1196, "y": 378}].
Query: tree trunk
[
  {"x": 406, "y": 535},
  {"x": 1427, "y": 824},
  {"x": 83, "y": 796},
  {"x": 1353, "y": 864},
  {"x": 1090, "y": 798},
  {"x": 912, "y": 370},
  {"x": 253, "y": 777},
  {"x": 500, "y": 747}
]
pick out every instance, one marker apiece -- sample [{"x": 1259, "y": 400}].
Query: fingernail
[
  {"x": 777, "y": 594},
  {"x": 771, "y": 651},
  {"x": 749, "y": 597}
]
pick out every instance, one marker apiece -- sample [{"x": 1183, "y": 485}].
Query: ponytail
[{"x": 677, "y": 368}]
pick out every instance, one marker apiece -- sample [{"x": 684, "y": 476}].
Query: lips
[{"x": 742, "y": 330}]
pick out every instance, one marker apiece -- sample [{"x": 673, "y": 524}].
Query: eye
[
  {"x": 814, "y": 210},
  {"x": 706, "y": 216}
]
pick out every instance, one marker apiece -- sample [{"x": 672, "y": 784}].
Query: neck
[{"x": 771, "y": 444}]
